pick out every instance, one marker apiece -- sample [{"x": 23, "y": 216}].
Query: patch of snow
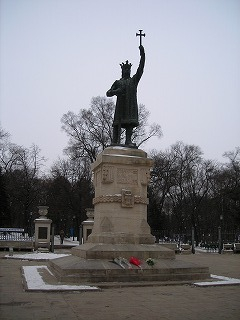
[
  {"x": 222, "y": 281},
  {"x": 34, "y": 281},
  {"x": 37, "y": 256},
  {"x": 205, "y": 250}
]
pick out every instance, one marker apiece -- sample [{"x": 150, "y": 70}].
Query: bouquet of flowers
[
  {"x": 150, "y": 262},
  {"x": 135, "y": 261}
]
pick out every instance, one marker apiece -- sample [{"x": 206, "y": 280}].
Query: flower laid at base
[
  {"x": 122, "y": 262},
  {"x": 125, "y": 264},
  {"x": 135, "y": 261},
  {"x": 150, "y": 262}
]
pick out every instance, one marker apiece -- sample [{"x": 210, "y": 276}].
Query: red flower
[{"x": 135, "y": 261}]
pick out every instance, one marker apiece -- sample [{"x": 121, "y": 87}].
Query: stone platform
[
  {"x": 73, "y": 269},
  {"x": 111, "y": 251},
  {"x": 120, "y": 229}
]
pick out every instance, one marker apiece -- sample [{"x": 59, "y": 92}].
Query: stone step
[
  {"x": 110, "y": 251},
  {"x": 73, "y": 269}
]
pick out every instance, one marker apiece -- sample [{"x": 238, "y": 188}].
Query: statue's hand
[
  {"x": 109, "y": 93},
  {"x": 141, "y": 48},
  {"x": 114, "y": 92}
]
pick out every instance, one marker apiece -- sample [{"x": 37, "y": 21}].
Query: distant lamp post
[
  {"x": 73, "y": 225},
  {"x": 220, "y": 235},
  {"x": 30, "y": 224},
  {"x": 193, "y": 241}
]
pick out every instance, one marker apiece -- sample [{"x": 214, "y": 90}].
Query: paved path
[{"x": 178, "y": 302}]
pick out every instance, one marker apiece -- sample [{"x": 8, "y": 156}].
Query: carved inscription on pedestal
[{"x": 127, "y": 176}]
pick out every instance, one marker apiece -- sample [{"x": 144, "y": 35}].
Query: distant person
[{"x": 62, "y": 236}]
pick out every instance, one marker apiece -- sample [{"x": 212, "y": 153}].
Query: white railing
[{"x": 14, "y": 234}]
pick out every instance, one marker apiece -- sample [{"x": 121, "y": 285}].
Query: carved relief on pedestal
[
  {"x": 139, "y": 199},
  {"x": 127, "y": 176},
  {"x": 108, "y": 198},
  {"x": 107, "y": 174},
  {"x": 127, "y": 199},
  {"x": 144, "y": 176},
  {"x": 106, "y": 225}
]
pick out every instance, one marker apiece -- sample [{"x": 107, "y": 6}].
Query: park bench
[
  {"x": 186, "y": 248},
  {"x": 15, "y": 238},
  {"x": 236, "y": 247},
  {"x": 171, "y": 245},
  {"x": 227, "y": 247}
]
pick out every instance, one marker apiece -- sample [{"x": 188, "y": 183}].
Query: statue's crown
[{"x": 126, "y": 66}]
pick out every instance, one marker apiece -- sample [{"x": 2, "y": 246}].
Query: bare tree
[
  {"x": 90, "y": 131},
  {"x": 70, "y": 192},
  {"x": 20, "y": 168},
  {"x": 174, "y": 182},
  {"x": 8, "y": 152}
]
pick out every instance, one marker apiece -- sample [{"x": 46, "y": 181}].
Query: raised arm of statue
[{"x": 141, "y": 63}]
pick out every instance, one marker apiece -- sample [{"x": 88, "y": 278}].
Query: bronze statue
[{"x": 126, "y": 112}]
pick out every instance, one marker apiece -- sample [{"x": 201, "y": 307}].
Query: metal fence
[{"x": 212, "y": 237}]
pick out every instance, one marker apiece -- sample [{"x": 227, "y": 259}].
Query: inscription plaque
[
  {"x": 42, "y": 232},
  {"x": 127, "y": 176}
]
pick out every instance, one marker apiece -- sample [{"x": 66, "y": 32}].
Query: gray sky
[{"x": 58, "y": 54}]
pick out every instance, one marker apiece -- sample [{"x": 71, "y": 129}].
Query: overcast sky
[{"x": 58, "y": 54}]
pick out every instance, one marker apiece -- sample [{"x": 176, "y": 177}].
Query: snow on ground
[
  {"x": 34, "y": 281},
  {"x": 37, "y": 256},
  {"x": 222, "y": 281}
]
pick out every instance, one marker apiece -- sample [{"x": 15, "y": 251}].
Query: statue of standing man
[{"x": 126, "y": 112}]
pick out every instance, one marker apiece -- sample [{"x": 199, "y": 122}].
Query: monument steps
[
  {"x": 111, "y": 251},
  {"x": 120, "y": 229},
  {"x": 73, "y": 269}
]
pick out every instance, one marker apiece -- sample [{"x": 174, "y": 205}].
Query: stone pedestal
[
  {"x": 87, "y": 225},
  {"x": 42, "y": 229},
  {"x": 120, "y": 228},
  {"x": 121, "y": 176}
]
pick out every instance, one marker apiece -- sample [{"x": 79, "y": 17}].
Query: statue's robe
[{"x": 126, "y": 112}]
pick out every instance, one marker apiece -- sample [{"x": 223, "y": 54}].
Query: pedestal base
[
  {"x": 109, "y": 251},
  {"x": 120, "y": 228},
  {"x": 73, "y": 269},
  {"x": 121, "y": 176},
  {"x": 121, "y": 238}
]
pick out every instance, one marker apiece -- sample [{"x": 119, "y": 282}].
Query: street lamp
[
  {"x": 193, "y": 241},
  {"x": 31, "y": 224},
  {"x": 74, "y": 217},
  {"x": 220, "y": 235}
]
